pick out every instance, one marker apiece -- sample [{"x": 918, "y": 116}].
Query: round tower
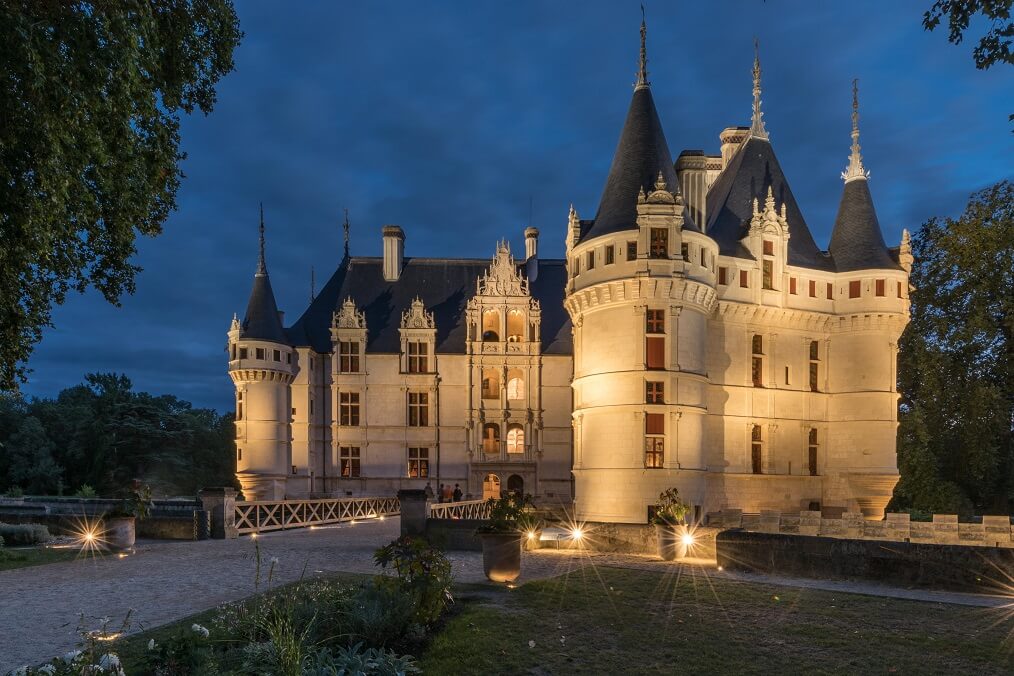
[
  {"x": 262, "y": 364},
  {"x": 641, "y": 288}
]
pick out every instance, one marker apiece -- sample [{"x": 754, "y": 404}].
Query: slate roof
[
  {"x": 752, "y": 169},
  {"x": 445, "y": 287},
  {"x": 261, "y": 321},
  {"x": 641, "y": 153},
  {"x": 857, "y": 242}
]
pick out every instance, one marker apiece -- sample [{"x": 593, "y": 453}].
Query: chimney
[
  {"x": 732, "y": 138},
  {"x": 531, "y": 242},
  {"x": 394, "y": 251}
]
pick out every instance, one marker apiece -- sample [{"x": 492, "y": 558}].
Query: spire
[
  {"x": 313, "y": 285},
  {"x": 757, "y": 129},
  {"x": 346, "y": 226},
  {"x": 262, "y": 268},
  {"x": 642, "y": 69},
  {"x": 855, "y": 169}
]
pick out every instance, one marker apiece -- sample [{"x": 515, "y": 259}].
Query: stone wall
[
  {"x": 990, "y": 531},
  {"x": 170, "y": 519},
  {"x": 960, "y": 567}
]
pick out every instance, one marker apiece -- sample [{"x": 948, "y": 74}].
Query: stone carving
[
  {"x": 349, "y": 317},
  {"x": 416, "y": 317},
  {"x": 770, "y": 220},
  {"x": 502, "y": 278}
]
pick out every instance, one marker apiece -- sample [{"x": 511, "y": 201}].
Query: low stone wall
[
  {"x": 454, "y": 534},
  {"x": 958, "y": 567},
  {"x": 990, "y": 531}
]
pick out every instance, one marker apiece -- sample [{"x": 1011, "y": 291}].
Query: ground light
[
  {"x": 688, "y": 539},
  {"x": 576, "y": 533}
]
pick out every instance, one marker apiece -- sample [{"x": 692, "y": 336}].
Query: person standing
[
  {"x": 457, "y": 493},
  {"x": 441, "y": 493},
  {"x": 448, "y": 493}
]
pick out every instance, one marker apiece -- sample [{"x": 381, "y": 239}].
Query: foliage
[
  {"x": 93, "y": 658},
  {"x": 423, "y": 574},
  {"x": 103, "y": 434},
  {"x": 670, "y": 509},
  {"x": 187, "y": 651},
  {"x": 85, "y": 491},
  {"x": 139, "y": 501},
  {"x": 24, "y": 534},
  {"x": 91, "y": 96},
  {"x": 956, "y": 363},
  {"x": 381, "y": 615},
  {"x": 15, "y": 492},
  {"x": 507, "y": 514},
  {"x": 356, "y": 661}
]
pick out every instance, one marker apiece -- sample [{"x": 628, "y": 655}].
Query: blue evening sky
[{"x": 447, "y": 118}]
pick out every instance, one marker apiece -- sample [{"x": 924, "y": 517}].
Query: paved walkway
[{"x": 165, "y": 581}]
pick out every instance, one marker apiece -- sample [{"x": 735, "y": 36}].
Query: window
[
  {"x": 243, "y": 353},
  {"x": 491, "y": 438},
  {"x": 418, "y": 409},
  {"x": 685, "y": 251},
  {"x": 278, "y": 355},
  {"x": 854, "y": 289},
  {"x": 293, "y": 412},
  {"x": 417, "y": 357},
  {"x": 515, "y": 326},
  {"x": 515, "y": 438},
  {"x": 260, "y": 353},
  {"x": 610, "y": 252},
  {"x": 757, "y": 363},
  {"x": 288, "y": 357},
  {"x": 744, "y": 279},
  {"x": 490, "y": 383},
  {"x": 830, "y": 291},
  {"x": 659, "y": 243},
  {"x": 792, "y": 285},
  {"x": 654, "y": 321},
  {"x": 811, "y": 448},
  {"x": 348, "y": 409},
  {"x": 880, "y": 287},
  {"x": 239, "y": 405},
  {"x": 515, "y": 385},
  {"x": 756, "y": 449},
  {"x": 813, "y": 289},
  {"x": 769, "y": 248},
  {"x": 654, "y": 392},
  {"x": 232, "y": 352},
  {"x": 787, "y": 374},
  {"x": 654, "y": 440},
  {"x": 239, "y": 454},
  {"x": 723, "y": 275},
  {"x": 293, "y": 469},
  {"x": 491, "y": 326},
  {"x": 704, "y": 260},
  {"x": 311, "y": 407},
  {"x": 348, "y": 460},
  {"x": 577, "y": 267},
  {"x": 348, "y": 356},
  {"x": 631, "y": 251},
  {"x": 591, "y": 260},
  {"x": 814, "y": 366},
  {"x": 418, "y": 463},
  {"x": 899, "y": 289},
  {"x": 768, "y": 278}
]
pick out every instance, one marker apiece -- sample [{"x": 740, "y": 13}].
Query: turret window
[
  {"x": 239, "y": 405},
  {"x": 685, "y": 252},
  {"x": 631, "y": 251},
  {"x": 348, "y": 356},
  {"x": 610, "y": 252},
  {"x": 591, "y": 260},
  {"x": 654, "y": 440},
  {"x": 855, "y": 289},
  {"x": 814, "y": 366},
  {"x": 744, "y": 279},
  {"x": 348, "y": 409},
  {"x": 277, "y": 355},
  {"x": 899, "y": 289},
  {"x": 813, "y": 289},
  {"x": 880, "y": 287},
  {"x": 418, "y": 361},
  {"x": 811, "y": 451},
  {"x": 723, "y": 275},
  {"x": 239, "y": 454},
  {"x": 654, "y": 343},
  {"x": 243, "y": 353},
  {"x": 418, "y": 409},
  {"x": 654, "y": 392},
  {"x": 418, "y": 463},
  {"x": 348, "y": 458},
  {"x": 659, "y": 243},
  {"x": 792, "y": 285},
  {"x": 288, "y": 357},
  {"x": 260, "y": 352},
  {"x": 756, "y": 450},
  {"x": 654, "y": 321},
  {"x": 757, "y": 360}
]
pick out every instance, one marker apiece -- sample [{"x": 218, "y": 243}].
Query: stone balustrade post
[
  {"x": 809, "y": 522},
  {"x": 415, "y": 510},
  {"x": 945, "y": 529},
  {"x": 220, "y": 503},
  {"x": 899, "y": 526},
  {"x": 997, "y": 530},
  {"x": 770, "y": 520},
  {"x": 852, "y": 525}
]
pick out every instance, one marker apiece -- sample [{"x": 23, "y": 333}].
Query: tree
[
  {"x": 30, "y": 459},
  {"x": 956, "y": 363},
  {"x": 91, "y": 96}
]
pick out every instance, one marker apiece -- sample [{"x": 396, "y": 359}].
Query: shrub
[
  {"x": 15, "y": 492},
  {"x": 355, "y": 661},
  {"x": 186, "y": 652},
  {"x": 24, "y": 533},
  {"x": 382, "y": 616},
  {"x": 670, "y": 509},
  {"x": 423, "y": 573},
  {"x": 85, "y": 491},
  {"x": 507, "y": 514}
]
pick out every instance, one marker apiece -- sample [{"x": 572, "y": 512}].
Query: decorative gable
[
  {"x": 502, "y": 278},
  {"x": 416, "y": 317},
  {"x": 348, "y": 317}
]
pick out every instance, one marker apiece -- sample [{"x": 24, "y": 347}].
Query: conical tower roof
[
  {"x": 857, "y": 242},
  {"x": 641, "y": 155},
  {"x": 261, "y": 321}
]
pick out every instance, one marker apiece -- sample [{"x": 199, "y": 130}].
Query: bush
[
  {"x": 85, "y": 491},
  {"x": 186, "y": 652},
  {"x": 355, "y": 660},
  {"x": 21, "y": 534},
  {"x": 423, "y": 574},
  {"x": 15, "y": 492},
  {"x": 382, "y": 616}
]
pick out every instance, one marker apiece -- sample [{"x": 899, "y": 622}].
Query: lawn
[
  {"x": 616, "y": 621},
  {"x": 34, "y": 556}
]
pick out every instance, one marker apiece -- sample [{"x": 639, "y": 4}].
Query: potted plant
[
  {"x": 670, "y": 525},
  {"x": 501, "y": 537},
  {"x": 530, "y": 528},
  {"x": 119, "y": 530}
]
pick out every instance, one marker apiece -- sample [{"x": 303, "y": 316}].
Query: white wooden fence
[
  {"x": 266, "y": 515},
  {"x": 472, "y": 509}
]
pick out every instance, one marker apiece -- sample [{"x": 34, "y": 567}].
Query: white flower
[
  {"x": 71, "y": 656},
  {"x": 151, "y": 644},
  {"x": 531, "y": 644},
  {"x": 200, "y": 630},
  {"x": 109, "y": 661},
  {"x": 274, "y": 560}
]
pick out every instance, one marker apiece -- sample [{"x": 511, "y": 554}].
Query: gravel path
[{"x": 164, "y": 581}]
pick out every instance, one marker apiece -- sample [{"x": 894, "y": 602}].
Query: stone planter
[
  {"x": 118, "y": 535},
  {"x": 501, "y": 556},
  {"x": 671, "y": 546}
]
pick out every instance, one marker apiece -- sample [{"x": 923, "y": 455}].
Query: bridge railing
[
  {"x": 471, "y": 509},
  {"x": 266, "y": 515}
]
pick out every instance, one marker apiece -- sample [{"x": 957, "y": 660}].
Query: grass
[
  {"x": 638, "y": 622},
  {"x": 34, "y": 556}
]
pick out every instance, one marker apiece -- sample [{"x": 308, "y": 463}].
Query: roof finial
[
  {"x": 262, "y": 268},
  {"x": 642, "y": 71},
  {"x": 346, "y": 226},
  {"x": 313, "y": 285},
  {"x": 757, "y": 129},
  {"x": 855, "y": 169}
]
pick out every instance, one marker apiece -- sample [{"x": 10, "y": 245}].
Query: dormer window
[
  {"x": 769, "y": 248},
  {"x": 418, "y": 361},
  {"x": 659, "y": 243}
]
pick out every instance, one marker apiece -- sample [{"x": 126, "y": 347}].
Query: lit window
[
  {"x": 655, "y": 321},
  {"x": 491, "y": 438},
  {"x": 654, "y": 392},
  {"x": 515, "y": 326},
  {"x": 654, "y": 440},
  {"x": 814, "y": 366},
  {"x": 756, "y": 449},
  {"x": 812, "y": 451},
  {"x": 659, "y": 243},
  {"x": 417, "y": 357},
  {"x": 348, "y": 459},
  {"x": 757, "y": 362},
  {"x": 515, "y": 386},
  {"x": 491, "y": 326},
  {"x": 515, "y": 438},
  {"x": 348, "y": 409},
  {"x": 418, "y": 463},
  {"x": 491, "y": 383},
  {"x": 418, "y": 409},
  {"x": 348, "y": 356}
]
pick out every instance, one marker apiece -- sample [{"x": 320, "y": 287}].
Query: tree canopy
[
  {"x": 956, "y": 363},
  {"x": 91, "y": 96},
  {"x": 104, "y": 434}
]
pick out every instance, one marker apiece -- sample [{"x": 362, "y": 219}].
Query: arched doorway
[
  {"x": 491, "y": 487},
  {"x": 516, "y": 485}
]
